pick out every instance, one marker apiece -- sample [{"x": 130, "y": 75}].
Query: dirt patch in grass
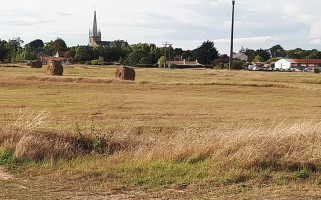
[{"x": 4, "y": 175}]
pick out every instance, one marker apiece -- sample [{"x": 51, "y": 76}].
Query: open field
[{"x": 171, "y": 134}]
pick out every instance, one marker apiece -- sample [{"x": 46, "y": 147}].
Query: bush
[
  {"x": 174, "y": 66},
  {"x": 237, "y": 65},
  {"x": 95, "y": 62}
]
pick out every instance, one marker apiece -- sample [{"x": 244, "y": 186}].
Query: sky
[{"x": 185, "y": 24}]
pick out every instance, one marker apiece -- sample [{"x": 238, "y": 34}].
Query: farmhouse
[
  {"x": 240, "y": 56},
  {"x": 301, "y": 64}
]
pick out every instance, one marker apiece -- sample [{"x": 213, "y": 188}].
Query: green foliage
[
  {"x": 82, "y": 54},
  {"x": 206, "y": 53},
  {"x": 95, "y": 62},
  {"x": 237, "y": 65},
  {"x": 121, "y": 60},
  {"x": 36, "y": 44},
  {"x": 95, "y": 141},
  {"x": 101, "y": 60},
  {"x": 3, "y": 50},
  {"x": 28, "y": 54},
  {"x": 174, "y": 65},
  {"x": 303, "y": 174},
  {"x": 7, "y": 157},
  {"x": 271, "y": 60},
  {"x": 158, "y": 174},
  {"x": 161, "y": 61},
  {"x": 54, "y": 46},
  {"x": 264, "y": 54},
  {"x": 14, "y": 49},
  {"x": 70, "y": 54},
  {"x": 258, "y": 59}
]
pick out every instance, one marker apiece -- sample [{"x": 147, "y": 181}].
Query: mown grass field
[{"x": 171, "y": 134}]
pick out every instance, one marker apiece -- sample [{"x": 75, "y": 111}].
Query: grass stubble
[{"x": 130, "y": 159}]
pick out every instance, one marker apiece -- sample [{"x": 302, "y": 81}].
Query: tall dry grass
[{"x": 280, "y": 145}]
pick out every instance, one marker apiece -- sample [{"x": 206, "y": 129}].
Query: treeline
[
  {"x": 118, "y": 52},
  {"x": 141, "y": 54},
  {"x": 277, "y": 51}
]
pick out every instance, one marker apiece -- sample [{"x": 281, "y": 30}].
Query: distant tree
[
  {"x": 188, "y": 55},
  {"x": 263, "y": 54},
  {"x": 54, "y": 46},
  {"x": 3, "y": 50},
  {"x": 14, "y": 47},
  {"x": 250, "y": 54},
  {"x": 138, "y": 57},
  {"x": 258, "y": 59},
  {"x": 82, "y": 54},
  {"x": 161, "y": 61},
  {"x": 70, "y": 54},
  {"x": 178, "y": 52},
  {"x": 237, "y": 64},
  {"x": 36, "y": 44},
  {"x": 277, "y": 51},
  {"x": 297, "y": 53},
  {"x": 60, "y": 45},
  {"x": 27, "y": 54},
  {"x": 271, "y": 60},
  {"x": 242, "y": 50},
  {"x": 206, "y": 53},
  {"x": 314, "y": 54}
]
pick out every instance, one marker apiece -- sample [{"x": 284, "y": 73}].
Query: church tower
[{"x": 94, "y": 34}]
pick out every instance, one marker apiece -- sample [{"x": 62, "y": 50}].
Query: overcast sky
[{"x": 185, "y": 24}]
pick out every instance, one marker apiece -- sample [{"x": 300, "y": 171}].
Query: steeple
[
  {"x": 94, "y": 35},
  {"x": 95, "y": 32}
]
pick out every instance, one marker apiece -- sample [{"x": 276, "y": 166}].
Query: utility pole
[
  {"x": 169, "y": 53},
  {"x": 165, "y": 46},
  {"x": 232, "y": 35}
]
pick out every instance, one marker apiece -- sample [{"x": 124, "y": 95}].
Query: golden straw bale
[
  {"x": 55, "y": 68},
  {"x": 36, "y": 64},
  {"x": 125, "y": 73}
]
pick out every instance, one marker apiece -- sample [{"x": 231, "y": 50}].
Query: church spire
[{"x": 95, "y": 32}]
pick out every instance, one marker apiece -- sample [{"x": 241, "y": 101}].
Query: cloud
[
  {"x": 63, "y": 13},
  {"x": 23, "y": 22},
  {"x": 316, "y": 41},
  {"x": 292, "y": 23}
]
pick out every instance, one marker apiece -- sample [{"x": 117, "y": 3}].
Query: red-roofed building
[
  {"x": 287, "y": 64},
  {"x": 183, "y": 63},
  {"x": 60, "y": 54},
  {"x": 62, "y": 60}
]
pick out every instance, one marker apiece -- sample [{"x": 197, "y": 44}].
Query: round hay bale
[
  {"x": 125, "y": 73},
  {"x": 315, "y": 70},
  {"x": 55, "y": 68},
  {"x": 36, "y": 64}
]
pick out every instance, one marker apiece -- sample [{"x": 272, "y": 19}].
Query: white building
[{"x": 287, "y": 64}]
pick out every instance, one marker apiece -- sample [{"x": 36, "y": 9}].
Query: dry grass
[
  {"x": 170, "y": 127},
  {"x": 281, "y": 145}
]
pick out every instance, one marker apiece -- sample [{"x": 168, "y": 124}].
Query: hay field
[{"x": 171, "y": 132}]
